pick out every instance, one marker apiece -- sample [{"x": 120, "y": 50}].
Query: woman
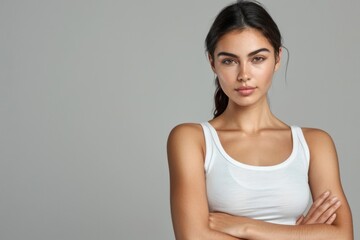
[{"x": 245, "y": 174}]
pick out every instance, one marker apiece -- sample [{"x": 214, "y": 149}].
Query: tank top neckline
[{"x": 237, "y": 163}]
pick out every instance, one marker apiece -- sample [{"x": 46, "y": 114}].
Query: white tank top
[{"x": 277, "y": 194}]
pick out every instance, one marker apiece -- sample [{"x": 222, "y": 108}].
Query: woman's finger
[
  {"x": 331, "y": 219},
  {"x": 316, "y": 204},
  {"x": 300, "y": 220},
  {"x": 329, "y": 212}
]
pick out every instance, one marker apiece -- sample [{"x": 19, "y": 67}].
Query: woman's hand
[
  {"x": 323, "y": 210},
  {"x": 226, "y": 223}
]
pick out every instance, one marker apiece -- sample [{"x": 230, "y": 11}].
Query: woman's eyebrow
[
  {"x": 227, "y": 54},
  {"x": 249, "y": 55},
  {"x": 257, "y": 51}
]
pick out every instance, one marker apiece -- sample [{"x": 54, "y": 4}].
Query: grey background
[{"x": 89, "y": 91}]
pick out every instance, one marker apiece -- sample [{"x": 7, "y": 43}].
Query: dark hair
[{"x": 238, "y": 16}]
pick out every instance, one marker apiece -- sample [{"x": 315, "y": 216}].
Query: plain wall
[{"x": 89, "y": 91}]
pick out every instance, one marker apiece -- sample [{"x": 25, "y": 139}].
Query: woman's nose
[{"x": 243, "y": 74}]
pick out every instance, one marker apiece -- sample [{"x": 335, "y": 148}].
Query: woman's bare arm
[
  {"x": 322, "y": 211},
  {"x": 189, "y": 207},
  {"x": 323, "y": 175}
]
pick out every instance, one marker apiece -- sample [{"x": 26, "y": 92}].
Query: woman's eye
[
  {"x": 228, "y": 61},
  {"x": 258, "y": 59}
]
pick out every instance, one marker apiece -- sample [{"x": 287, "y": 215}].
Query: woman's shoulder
[
  {"x": 187, "y": 127},
  {"x": 315, "y": 132},
  {"x": 186, "y": 132},
  {"x": 186, "y": 143},
  {"x": 317, "y": 138}
]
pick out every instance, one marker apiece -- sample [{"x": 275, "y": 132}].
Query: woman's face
[{"x": 245, "y": 63}]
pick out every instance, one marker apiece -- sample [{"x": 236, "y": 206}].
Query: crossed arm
[
  {"x": 192, "y": 220},
  {"x": 322, "y": 212}
]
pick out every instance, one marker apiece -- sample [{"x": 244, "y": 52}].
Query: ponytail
[{"x": 220, "y": 98}]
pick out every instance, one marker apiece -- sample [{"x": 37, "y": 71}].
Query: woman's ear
[
  {"x": 278, "y": 60},
  {"x": 211, "y": 61}
]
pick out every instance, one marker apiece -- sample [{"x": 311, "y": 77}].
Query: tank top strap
[
  {"x": 303, "y": 145},
  {"x": 208, "y": 145}
]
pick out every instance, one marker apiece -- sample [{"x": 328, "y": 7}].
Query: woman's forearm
[
  {"x": 252, "y": 229},
  {"x": 215, "y": 235},
  {"x": 207, "y": 234},
  {"x": 258, "y": 230},
  {"x": 324, "y": 220}
]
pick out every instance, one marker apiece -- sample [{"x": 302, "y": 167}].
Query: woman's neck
[{"x": 250, "y": 119}]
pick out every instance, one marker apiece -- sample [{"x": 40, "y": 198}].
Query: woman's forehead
[{"x": 243, "y": 41}]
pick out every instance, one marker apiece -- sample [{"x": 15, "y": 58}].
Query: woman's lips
[{"x": 245, "y": 91}]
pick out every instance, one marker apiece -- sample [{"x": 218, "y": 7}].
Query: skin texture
[{"x": 248, "y": 131}]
